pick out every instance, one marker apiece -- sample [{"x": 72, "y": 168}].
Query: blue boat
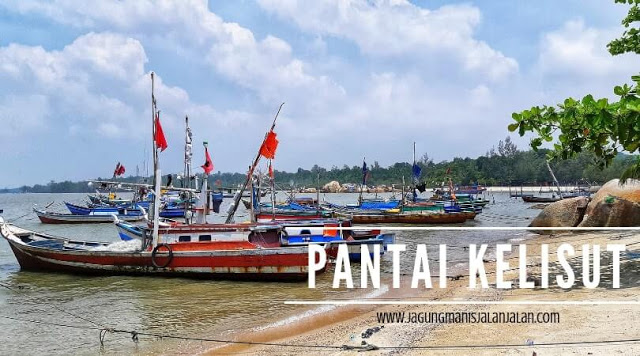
[
  {"x": 171, "y": 211},
  {"x": 107, "y": 210}
]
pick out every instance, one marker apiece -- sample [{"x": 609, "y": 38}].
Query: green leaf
[
  {"x": 618, "y": 90},
  {"x": 513, "y": 127}
]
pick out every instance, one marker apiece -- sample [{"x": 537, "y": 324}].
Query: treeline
[{"x": 504, "y": 165}]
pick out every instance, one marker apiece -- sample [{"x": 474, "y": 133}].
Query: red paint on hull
[{"x": 213, "y": 260}]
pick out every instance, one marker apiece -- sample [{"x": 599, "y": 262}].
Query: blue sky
[{"x": 359, "y": 78}]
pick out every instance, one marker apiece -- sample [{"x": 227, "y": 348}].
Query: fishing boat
[
  {"x": 335, "y": 231},
  {"x": 289, "y": 211},
  {"x": 422, "y": 217},
  {"x": 540, "y": 199},
  {"x": 49, "y": 217},
  {"x": 259, "y": 258},
  {"x": 294, "y": 233},
  {"x": 104, "y": 210},
  {"x": 167, "y": 211},
  {"x": 470, "y": 189}
]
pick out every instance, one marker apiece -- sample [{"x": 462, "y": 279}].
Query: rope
[
  {"x": 135, "y": 334},
  {"x": 19, "y": 217}
]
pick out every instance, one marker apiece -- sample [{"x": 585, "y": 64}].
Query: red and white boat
[{"x": 258, "y": 257}]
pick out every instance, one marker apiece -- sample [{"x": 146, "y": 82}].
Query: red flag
[
  {"x": 270, "y": 170},
  {"x": 159, "y": 139},
  {"x": 121, "y": 170},
  {"x": 208, "y": 165},
  {"x": 115, "y": 171},
  {"x": 269, "y": 146}
]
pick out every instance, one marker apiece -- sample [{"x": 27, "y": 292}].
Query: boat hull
[
  {"x": 212, "y": 260},
  {"x": 265, "y": 217},
  {"x": 56, "y": 218},
  {"x": 534, "y": 199}
]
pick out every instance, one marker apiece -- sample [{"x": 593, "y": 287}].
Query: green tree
[{"x": 594, "y": 125}]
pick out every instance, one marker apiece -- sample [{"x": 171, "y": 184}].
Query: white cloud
[
  {"x": 96, "y": 85},
  {"x": 266, "y": 66},
  {"x": 399, "y": 28},
  {"x": 22, "y": 114},
  {"x": 578, "y": 52},
  {"x": 481, "y": 97}
]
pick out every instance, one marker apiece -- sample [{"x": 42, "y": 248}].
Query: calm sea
[{"x": 195, "y": 308}]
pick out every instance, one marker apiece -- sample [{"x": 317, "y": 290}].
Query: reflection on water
[{"x": 178, "y": 306}]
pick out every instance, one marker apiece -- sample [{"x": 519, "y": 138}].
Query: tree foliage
[
  {"x": 593, "y": 125},
  {"x": 506, "y": 166}
]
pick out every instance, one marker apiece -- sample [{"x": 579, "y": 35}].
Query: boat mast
[
  {"x": 186, "y": 182},
  {"x": 156, "y": 170},
  {"x": 273, "y": 192},
  {"x": 202, "y": 207},
  {"x": 236, "y": 200},
  {"x": 364, "y": 180},
  {"x": 414, "y": 180},
  {"x": 318, "y": 192},
  {"x": 554, "y": 178},
  {"x": 186, "y": 178}
]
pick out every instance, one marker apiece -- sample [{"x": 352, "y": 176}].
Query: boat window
[
  {"x": 184, "y": 238},
  {"x": 204, "y": 238},
  {"x": 305, "y": 232}
]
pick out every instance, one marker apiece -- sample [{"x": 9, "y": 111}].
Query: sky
[{"x": 358, "y": 78}]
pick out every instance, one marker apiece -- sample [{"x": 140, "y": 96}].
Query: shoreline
[{"x": 339, "y": 325}]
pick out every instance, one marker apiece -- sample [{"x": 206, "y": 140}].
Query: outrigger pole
[{"x": 236, "y": 199}]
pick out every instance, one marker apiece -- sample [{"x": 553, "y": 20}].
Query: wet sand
[{"x": 343, "y": 325}]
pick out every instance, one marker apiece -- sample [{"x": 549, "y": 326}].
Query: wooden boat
[
  {"x": 105, "y": 210},
  {"x": 170, "y": 211},
  {"x": 470, "y": 189},
  {"x": 47, "y": 217},
  {"x": 288, "y": 215},
  {"x": 408, "y": 218},
  {"x": 538, "y": 199},
  {"x": 255, "y": 259},
  {"x": 294, "y": 233}
]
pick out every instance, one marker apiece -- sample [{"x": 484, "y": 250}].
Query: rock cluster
[{"x": 613, "y": 205}]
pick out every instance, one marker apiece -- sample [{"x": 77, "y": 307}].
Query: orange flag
[{"x": 269, "y": 146}]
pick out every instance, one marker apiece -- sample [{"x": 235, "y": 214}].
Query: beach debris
[
  {"x": 364, "y": 347},
  {"x": 529, "y": 342},
  {"x": 369, "y": 332}
]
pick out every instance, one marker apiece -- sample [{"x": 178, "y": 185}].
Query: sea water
[{"x": 177, "y": 306}]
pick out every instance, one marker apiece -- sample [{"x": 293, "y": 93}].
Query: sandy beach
[{"x": 344, "y": 325}]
